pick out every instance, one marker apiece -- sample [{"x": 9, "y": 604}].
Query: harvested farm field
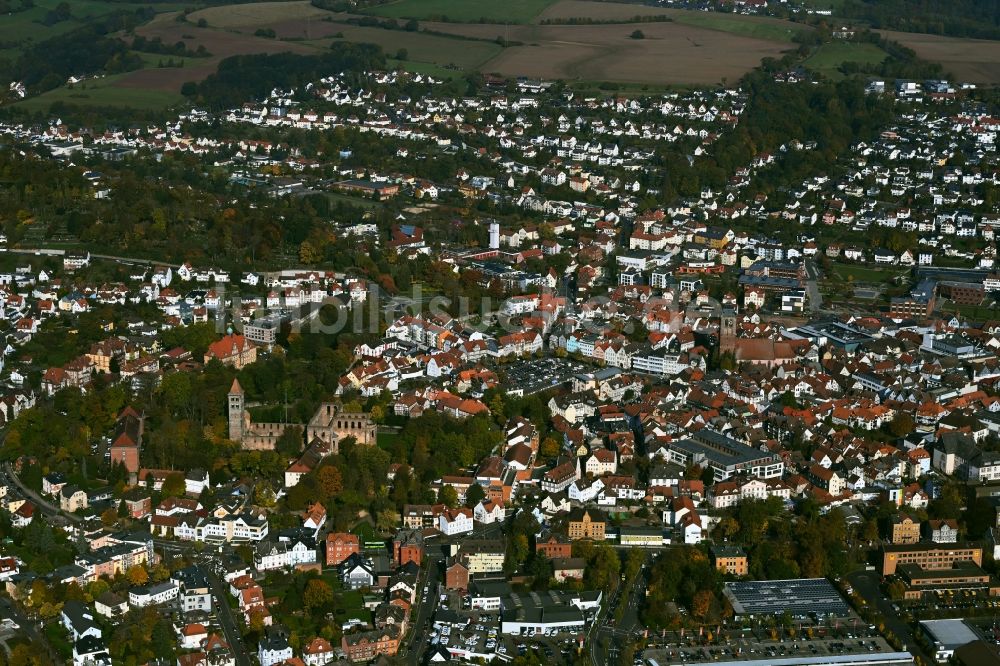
[
  {"x": 761, "y": 27},
  {"x": 219, "y": 43},
  {"x": 669, "y": 53},
  {"x": 257, "y": 14},
  {"x": 598, "y": 11},
  {"x": 971, "y": 60}
]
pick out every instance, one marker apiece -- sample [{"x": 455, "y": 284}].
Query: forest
[
  {"x": 88, "y": 49},
  {"x": 979, "y": 19}
]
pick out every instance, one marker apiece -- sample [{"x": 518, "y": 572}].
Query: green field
[
  {"x": 153, "y": 60},
  {"x": 830, "y": 56},
  {"x": 467, "y": 54},
  {"x": 25, "y": 26},
  {"x": 470, "y": 11},
  {"x": 824, "y": 4},
  {"x": 102, "y": 92},
  {"x": 747, "y": 26},
  {"x": 862, "y": 273},
  {"x": 425, "y": 68}
]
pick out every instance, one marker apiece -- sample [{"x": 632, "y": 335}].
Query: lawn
[
  {"x": 748, "y": 26},
  {"x": 351, "y": 201},
  {"x": 830, "y": 56},
  {"x": 469, "y": 11},
  {"x": 862, "y": 273},
  {"x": 365, "y": 532},
  {"x": 985, "y": 311},
  {"x": 103, "y": 92},
  {"x": 386, "y": 440}
]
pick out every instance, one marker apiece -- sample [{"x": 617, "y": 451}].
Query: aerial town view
[{"x": 511, "y": 332}]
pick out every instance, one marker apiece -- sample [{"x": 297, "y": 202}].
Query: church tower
[
  {"x": 727, "y": 330},
  {"x": 237, "y": 404}
]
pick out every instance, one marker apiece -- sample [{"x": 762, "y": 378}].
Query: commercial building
[
  {"x": 724, "y": 455},
  {"x": 930, "y": 568},
  {"x": 801, "y": 597},
  {"x": 947, "y": 636},
  {"x": 538, "y": 611},
  {"x": 642, "y": 537},
  {"x": 929, "y": 556}
]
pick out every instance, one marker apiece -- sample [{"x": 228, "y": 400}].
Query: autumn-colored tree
[
  {"x": 75, "y": 593},
  {"x": 330, "y": 481},
  {"x": 159, "y": 573},
  {"x": 137, "y": 575},
  {"x": 701, "y": 604},
  {"x": 174, "y": 485},
  {"x": 49, "y": 610},
  {"x": 901, "y": 425},
  {"x": 24, "y": 655},
  {"x": 256, "y": 621},
  {"x": 109, "y": 517},
  {"x": 549, "y": 448},
  {"x": 317, "y": 594},
  {"x": 308, "y": 254},
  {"x": 387, "y": 283},
  {"x": 97, "y": 587},
  {"x": 39, "y": 594}
]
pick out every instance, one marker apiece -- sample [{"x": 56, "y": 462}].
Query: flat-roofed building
[{"x": 929, "y": 556}]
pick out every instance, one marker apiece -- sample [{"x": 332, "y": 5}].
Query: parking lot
[
  {"x": 477, "y": 633},
  {"x": 752, "y": 648},
  {"x": 536, "y": 375}
]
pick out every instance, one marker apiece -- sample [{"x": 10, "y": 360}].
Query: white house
[
  {"x": 488, "y": 511},
  {"x": 455, "y": 521},
  {"x": 153, "y": 595}
]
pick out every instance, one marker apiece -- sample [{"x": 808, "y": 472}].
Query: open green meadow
[
  {"x": 830, "y": 56},
  {"x": 468, "y": 11},
  {"x": 466, "y": 54},
  {"x": 27, "y": 26},
  {"x": 102, "y": 92},
  {"x": 747, "y": 26}
]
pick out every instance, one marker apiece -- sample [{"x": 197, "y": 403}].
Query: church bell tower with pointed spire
[{"x": 237, "y": 406}]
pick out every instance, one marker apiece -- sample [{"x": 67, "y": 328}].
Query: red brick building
[
  {"x": 456, "y": 576},
  {"x": 553, "y": 548},
  {"x": 408, "y": 546},
  {"x": 340, "y": 546},
  {"x": 127, "y": 441},
  {"x": 367, "y": 645}
]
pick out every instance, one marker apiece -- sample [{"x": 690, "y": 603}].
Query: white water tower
[{"x": 494, "y": 235}]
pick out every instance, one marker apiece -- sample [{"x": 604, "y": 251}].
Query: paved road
[
  {"x": 866, "y": 583},
  {"x": 46, "y": 507},
  {"x": 28, "y": 628},
  {"x": 226, "y": 620},
  {"x": 56, "y": 252},
  {"x": 812, "y": 287},
  {"x": 604, "y": 625},
  {"x": 418, "y": 641}
]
